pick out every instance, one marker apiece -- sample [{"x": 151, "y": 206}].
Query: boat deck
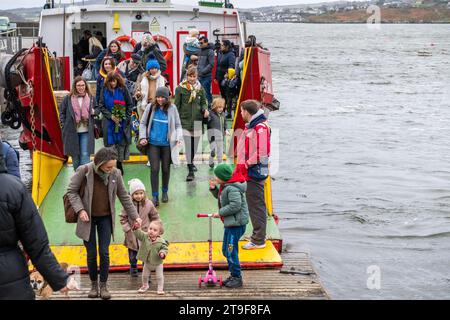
[
  {"x": 186, "y": 233},
  {"x": 296, "y": 280}
]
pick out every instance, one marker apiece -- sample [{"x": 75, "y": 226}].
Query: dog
[{"x": 40, "y": 286}]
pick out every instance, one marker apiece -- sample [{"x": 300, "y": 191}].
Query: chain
[{"x": 33, "y": 119}]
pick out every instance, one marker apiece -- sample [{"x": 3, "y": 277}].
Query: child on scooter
[{"x": 234, "y": 213}]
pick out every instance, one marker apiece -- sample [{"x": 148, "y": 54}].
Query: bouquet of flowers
[{"x": 119, "y": 112}]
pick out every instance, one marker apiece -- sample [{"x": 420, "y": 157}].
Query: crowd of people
[{"x": 137, "y": 86}]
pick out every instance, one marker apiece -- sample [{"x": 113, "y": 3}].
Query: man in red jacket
[{"x": 253, "y": 162}]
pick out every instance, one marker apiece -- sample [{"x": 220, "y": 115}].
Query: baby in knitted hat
[
  {"x": 147, "y": 212},
  {"x": 191, "y": 45}
]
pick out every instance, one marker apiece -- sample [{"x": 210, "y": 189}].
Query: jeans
[
  {"x": 132, "y": 255},
  {"x": 230, "y": 249},
  {"x": 206, "y": 83},
  {"x": 83, "y": 155},
  {"x": 159, "y": 156},
  {"x": 103, "y": 226}
]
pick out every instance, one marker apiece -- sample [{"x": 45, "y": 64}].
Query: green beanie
[{"x": 223, "y": 171}]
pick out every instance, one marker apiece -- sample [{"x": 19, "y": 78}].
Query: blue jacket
[{"x": 12, "y": 162}]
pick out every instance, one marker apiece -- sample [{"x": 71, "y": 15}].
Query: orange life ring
[
  {"x": 169, "y": 53},
  {"x": 128, "y": 39}
]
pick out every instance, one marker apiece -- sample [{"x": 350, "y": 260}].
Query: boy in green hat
[{"x": 233, "y": 211}]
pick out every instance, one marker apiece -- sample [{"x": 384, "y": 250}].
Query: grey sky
[{"x": 12, "y": 4}]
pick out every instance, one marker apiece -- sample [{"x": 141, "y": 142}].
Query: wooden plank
[{"x": 258, "y": 284}]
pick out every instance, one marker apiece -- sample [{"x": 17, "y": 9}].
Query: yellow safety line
[{"x": 182, "y": 253}]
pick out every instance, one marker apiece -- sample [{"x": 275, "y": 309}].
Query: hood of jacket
[{"x": 241, "y": 186}]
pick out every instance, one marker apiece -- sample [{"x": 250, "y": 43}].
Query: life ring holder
[
  {"x": 169, "y": 53},
  {"x": 128, "y": 39}
]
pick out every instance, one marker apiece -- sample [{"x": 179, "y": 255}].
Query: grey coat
[
  {"x": 69, "y": 131},
  {"x": 116, "y": 187},
  {"x": 206, "y": 61},
  {"x": 217, "y": 124},
  {"x": 175, "y": 130}
]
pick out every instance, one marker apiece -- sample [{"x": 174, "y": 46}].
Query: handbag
[
  {"x": 144, "y": 149},
  {"x": 87, "y": 73},
  {"x": 70, "y": 215}
]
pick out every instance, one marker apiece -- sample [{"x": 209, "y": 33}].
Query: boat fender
[
  {"x": 125, "y": 38},
  {"x": 169, "y": 52}
]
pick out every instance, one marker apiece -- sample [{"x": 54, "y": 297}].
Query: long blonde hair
[{"x": 93, "y": 41}]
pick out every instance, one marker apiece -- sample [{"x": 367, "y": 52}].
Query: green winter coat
[
  {"x": 190, "y": 112},
  {"x": 148, "y": 251},
  {"x": 233, "y": 204}
]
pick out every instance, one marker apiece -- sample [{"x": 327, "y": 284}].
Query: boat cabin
[{"x": 127, "y": 20}]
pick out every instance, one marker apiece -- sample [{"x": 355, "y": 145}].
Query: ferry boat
[{"x": 36, "y": 76}]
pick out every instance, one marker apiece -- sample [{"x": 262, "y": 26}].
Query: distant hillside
[
  {"x": 388, "y": 15},
  {"x": 33, "y": 14},
  {"x": 12, "y": 17}
]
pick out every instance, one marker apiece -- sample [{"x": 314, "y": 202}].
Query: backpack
[{"x": 9, "y": 146}]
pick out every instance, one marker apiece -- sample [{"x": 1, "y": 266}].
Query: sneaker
[
  {"x": 194, "y": 168},
  {"x": 143, "y": 289},
  {"x": 165, "y": 197},
  {"x": 134, "y": 272},
  {"x": 155, "y": 201},
  {"x": 250, "y": 246},
  {"x": 161, "y": 293},
  {"x": 234, "y": 283},
  {"x": 148, "y": 164},
  {"x": 213, "y": 153},
  {"x": 224, "y": 282},
  {"x": 211, "y": 165}
]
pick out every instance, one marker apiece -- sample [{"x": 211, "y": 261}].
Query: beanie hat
[
  {"x": 231, "y": 73},
  {"x": 223, "y": 171},
  {"x": 152, "y": 63},
  {"x": 136, "y": 185},
  {"x": 163, "y": 92},
  {"x": 136, "y": 58}
]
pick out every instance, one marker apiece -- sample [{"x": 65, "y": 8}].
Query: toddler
[
  {"x": 217, "y": 127},
  {"x": 153, "y": 251}
]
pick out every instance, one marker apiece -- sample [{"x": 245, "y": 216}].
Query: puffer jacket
[
  {"x": 20, "y": 221},
  {"x": 233, "y": 204}
]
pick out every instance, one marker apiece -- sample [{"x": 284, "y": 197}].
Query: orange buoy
[
  {"x": 169, "y": 53},
  {"x": 128, "y": 39}
]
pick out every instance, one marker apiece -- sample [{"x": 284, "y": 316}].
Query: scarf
[
  {"x": 103, "y": 175},
  {"x": 81, "y": 111},
  {"x": 155, "y": 77},
  {"x": 193, "y": 89},
  {"x": 111, "y": 98}
]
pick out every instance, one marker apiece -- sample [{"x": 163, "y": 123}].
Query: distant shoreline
[{"x": 356, "y": 22}]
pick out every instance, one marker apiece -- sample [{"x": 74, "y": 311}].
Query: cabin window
[{"x": 154, "y": 1}]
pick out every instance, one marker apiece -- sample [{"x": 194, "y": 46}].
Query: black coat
[
  {"x": 20, "y": 221},
  {"x": 225, "y": 61},
  {"x": 156, "y": 51}
]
